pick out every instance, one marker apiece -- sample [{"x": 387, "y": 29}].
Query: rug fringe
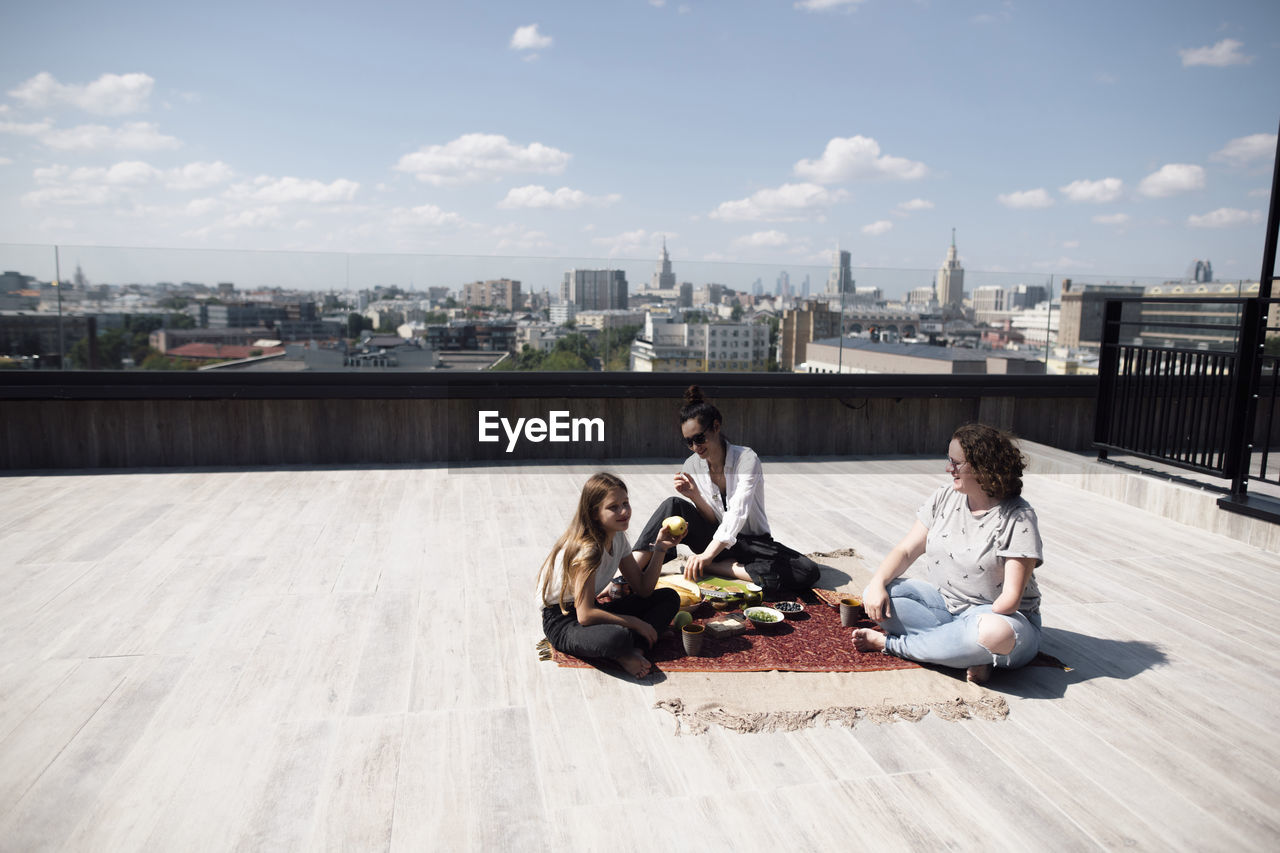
[
  {"x": 544, "y": 649},
  {"x": 698, "y": 722},
  {"x": 839, "y": 552}
]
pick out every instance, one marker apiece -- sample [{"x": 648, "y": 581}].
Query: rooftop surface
[{"x": 344, "y": 659}]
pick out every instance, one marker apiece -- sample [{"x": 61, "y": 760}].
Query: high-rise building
[
  {"x": 1200, "y": 272},
  {"x": 784, "y": 284},
  {"x": 988, "y": 299},
  {"x": 1024, "y": 296},
  {"x": 950, "y": 285},
  {"x": 595, "y": 290},
  {"x": 804, "y": 288},
  {"x": 840, "y": 279},
  {"x": 924, "y": 296},
  {"x": 663, "y": 277},
  {"x": 496, "y": 293},
  {"x": 807, "y": 322}
]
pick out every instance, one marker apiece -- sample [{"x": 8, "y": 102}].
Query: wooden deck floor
[{"x": 343, "y": 659}]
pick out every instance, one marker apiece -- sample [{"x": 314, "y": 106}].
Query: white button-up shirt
[{"x": 744, "y": 492}]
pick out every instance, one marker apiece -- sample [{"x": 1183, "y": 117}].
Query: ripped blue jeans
[{"x": 921, "y": 628}]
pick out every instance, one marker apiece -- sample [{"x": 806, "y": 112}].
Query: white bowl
[{"x": 775, "y": 619}]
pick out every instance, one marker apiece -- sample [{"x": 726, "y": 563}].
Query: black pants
[
  {"x": 778, "y": 569},
  {"x": 609, "y": 641}
]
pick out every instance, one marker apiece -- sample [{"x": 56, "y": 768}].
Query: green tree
[
  {"x": 736, "y": 314},
  {"x": 1272, "y": 345},
  {"x": 563, "y": 359}
]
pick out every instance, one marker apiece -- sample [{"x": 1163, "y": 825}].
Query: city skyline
[{"x": 1090, "y": 142}]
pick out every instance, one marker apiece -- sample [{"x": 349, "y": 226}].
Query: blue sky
[{"x": 1101, "y": 139}]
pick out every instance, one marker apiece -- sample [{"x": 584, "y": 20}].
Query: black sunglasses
[{"x": 700, "y": 438}]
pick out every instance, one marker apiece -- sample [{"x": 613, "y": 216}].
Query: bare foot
[
  {"x": 868, "y": 640},
  {"x": 636, "y": 664},
  {"x": 979, "y": 674}
]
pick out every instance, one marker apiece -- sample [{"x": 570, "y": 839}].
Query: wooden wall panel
[{"x": 41, "y": 434}]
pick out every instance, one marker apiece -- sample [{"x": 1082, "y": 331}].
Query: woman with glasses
[
  {"x": 978, "y": 605},
  {"x": 721, "y": 497}
]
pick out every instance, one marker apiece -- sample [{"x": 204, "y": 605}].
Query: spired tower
[
  {"x": 950, "y": 286},
  {"x": 663, "y": 277}
]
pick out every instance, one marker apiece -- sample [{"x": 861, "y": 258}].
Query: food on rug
[
  {"x": 730, "y": 626},
  {"x": 682, "y": 618},
  {"x": 763, "y": 617},
  {"x": 690, "y": 595}
]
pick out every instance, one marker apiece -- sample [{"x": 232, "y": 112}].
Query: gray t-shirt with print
[{"x": 965, "y": 553}]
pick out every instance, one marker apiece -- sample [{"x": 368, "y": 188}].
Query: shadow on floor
[{"x": 1089, "y": 658}]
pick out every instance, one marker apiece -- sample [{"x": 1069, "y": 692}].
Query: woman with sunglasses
[
  {"x": 980, "y": 605},
  {"x": 721, "y": 488}
]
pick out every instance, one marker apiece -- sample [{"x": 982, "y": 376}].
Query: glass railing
[{"x": 190, "y": 309}]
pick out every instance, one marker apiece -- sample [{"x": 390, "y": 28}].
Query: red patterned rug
[{"x": 813, "y": 642}]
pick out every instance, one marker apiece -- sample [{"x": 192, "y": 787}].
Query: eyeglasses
[
  {"x": 700, "y": 438},
  {"x": 954, "y": 465}
]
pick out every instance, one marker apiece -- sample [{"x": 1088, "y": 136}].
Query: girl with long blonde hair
[{"x": 575, "y": 574}]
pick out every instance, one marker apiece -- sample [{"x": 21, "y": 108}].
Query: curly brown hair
[{"x": 995, "y": 459}]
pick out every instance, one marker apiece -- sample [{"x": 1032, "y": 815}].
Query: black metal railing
[{"x": 1188, "y": 383}]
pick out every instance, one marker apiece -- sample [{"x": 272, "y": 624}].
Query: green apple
[
  {"x": 682, "y": 618},
  {"x": 675, "y": 525}
]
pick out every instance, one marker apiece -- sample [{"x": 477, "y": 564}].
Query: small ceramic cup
[
  {"x": 851, "y": 611},
  {"x": 693, "y": 636}
]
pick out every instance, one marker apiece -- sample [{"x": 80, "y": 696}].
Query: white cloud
[
  {"x": 1224, "y": 53},
  {"x": 763, "y": 239},
  {"x": 50, "y": 174},
  {"x": 517, "y": 238},
  {"x": 535, "y": 196},
  {"x": 130, "y": 173},
  {"x": 6, "y": 161},
  {"x": 423, "y": 214},
  {"x": 109, "y": 95},
  {"x": 914, "y": 205},
  {"x": 26, "y": 129},
  {"x": 1246, "y": 149},
  {"x": 1225, "y": 217},
  {"x": 290, "y": 190},
  {"x": 875, "y": 229},
  {"x": 198, "y": 176},
  {"x": 1112, "y": 219},
  {"x": 200, "y": 206},
  {"x": 1171, "y": 179},
  {"x": 854, "y": 157},
  {"x": 1071, "y": 244},
  {"x": 630, "y": 243},
  {"x": 1094, "y": 192},
  {"x": 254, "y": 217},
  {"x": 76, "y": 195},
  {"x": 132, "y": 136},
  {"x": 787, "y": 203},
  {"x": 528, "y": 38},
  {"x": 1026, "y": 199},
  {"x": 480, "y": 156},
  {"x": 827, "y": 5}
]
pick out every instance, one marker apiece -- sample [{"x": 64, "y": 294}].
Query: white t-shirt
[
  {"x": 743, "y": 509},
  {"x": 605, "y": 572},
  {"x": 965, "y": 553}
]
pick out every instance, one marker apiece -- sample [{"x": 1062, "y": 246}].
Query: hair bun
[{"x": 693, "y": 396}]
